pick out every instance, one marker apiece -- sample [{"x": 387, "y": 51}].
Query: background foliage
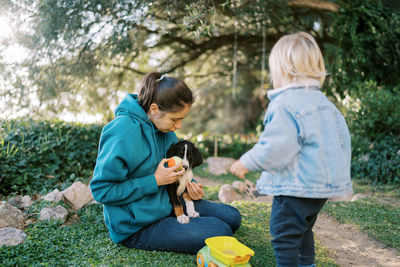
[
  {"x": 365, "y": 49},
  {"x": 85, "y": 55},
  {"x": 38, "y": 156},
  {"x": 374, "y": 122}
]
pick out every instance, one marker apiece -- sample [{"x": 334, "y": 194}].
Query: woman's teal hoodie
[{"x": 123, "y": 181}]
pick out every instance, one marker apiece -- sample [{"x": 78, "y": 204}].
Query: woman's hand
[
  {"x": 239, "y": 169},
  {"x": 195, "y": 190},
  {"x": 165, "y": 175}
]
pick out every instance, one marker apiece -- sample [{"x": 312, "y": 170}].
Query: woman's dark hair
[{"x": 170, "y": 94}]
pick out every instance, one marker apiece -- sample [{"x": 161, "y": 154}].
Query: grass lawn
[
  {"x": 85, "y": 242},
  {"x": 371, "y": 215},
  {"x": 381, "y": 221}
]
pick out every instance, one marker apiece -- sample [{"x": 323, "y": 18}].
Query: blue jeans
[
  {"x": 168, "y": 234},
  {"x": 292, "y": 220}
]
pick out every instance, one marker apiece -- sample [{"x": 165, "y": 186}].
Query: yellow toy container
[{"x": 229, "y": 250}]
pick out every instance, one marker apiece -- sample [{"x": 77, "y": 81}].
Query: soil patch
[{"x": 348, "y": 246}]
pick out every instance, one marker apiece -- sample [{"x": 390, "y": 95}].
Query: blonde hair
[{"x": 297, "y": 56}]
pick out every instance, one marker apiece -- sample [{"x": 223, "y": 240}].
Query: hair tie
[{"x": 160, "y": 79}]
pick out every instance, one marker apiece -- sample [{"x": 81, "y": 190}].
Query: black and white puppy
[{"x": 192, "y": 158}]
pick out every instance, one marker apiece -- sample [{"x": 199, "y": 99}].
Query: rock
[
  {"x": 10, "y": 216},
  {"x": 55, "y": 196},
  {"x": 359, "y": 196},
  {"x": 78, "y": 195},
  {"x": 228, "y": 194},
  {"x": 21, "y": 203},
  {"x": 218, "y": 165},
  {"x": 398, "y": 152},
  {"x": 54, "y": 213},
  {"x": 11, "y": 236},
  {"x": 26, "y": 202},
  {"x": 15, "y": 201},
  {"x": 346, "y": 198},
  {"x": 93, "y": 202}
]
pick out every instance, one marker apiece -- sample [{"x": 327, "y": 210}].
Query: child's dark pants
[{"x": 292, "y": 220}]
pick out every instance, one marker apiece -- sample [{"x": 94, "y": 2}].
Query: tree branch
[
  {"x": 129, "y": 68},
  {"x": 315, "y": 4}
]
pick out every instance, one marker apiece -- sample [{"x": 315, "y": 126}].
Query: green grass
[
  {"x": 211, "y": 192},
  {"x": 85, "y": 242},
  {"x": 367, "y": 186},
  {"x": 381, "y": 221},
  {"x": 254, "y": 232},
  {"x": 372, "y": 215}
]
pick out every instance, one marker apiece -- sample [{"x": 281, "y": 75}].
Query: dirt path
[{"x": 347, "y": 245}]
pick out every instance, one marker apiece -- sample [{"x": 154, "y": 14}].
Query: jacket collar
[{"x": 306, "y": 84}]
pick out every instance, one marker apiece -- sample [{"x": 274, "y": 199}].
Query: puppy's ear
[
  {"x": 198, "y": 159},
  {"x": 172, "y": 150}
]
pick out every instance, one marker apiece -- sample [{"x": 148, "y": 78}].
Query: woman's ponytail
[
  {"x": 170, "y": 94},
  {"x": 147, "y": 89}
]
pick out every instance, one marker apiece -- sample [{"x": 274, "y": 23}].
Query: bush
[
  {"x": 367, "y": 34},
  {"x": 377, "y": 112},
  {"x": 39, "y": 156},
  {"x": 374, "y": 123},
  {"x": 42, "y": 155},
  {"x": 377, "y": 161}
]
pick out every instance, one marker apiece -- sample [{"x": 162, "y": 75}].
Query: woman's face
[{"x": 167, "y": 121}]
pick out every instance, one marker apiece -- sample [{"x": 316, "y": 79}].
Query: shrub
[
  {"x": 367, "y": 34},
  {"x": 43, "y": 155},
  {"x": 377, "y": 161},
  {"x": 378, "y": 111},
  {"x": 374, "y": 123}
]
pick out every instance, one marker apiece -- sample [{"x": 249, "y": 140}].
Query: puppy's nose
[{"x": 186, "y": 167}]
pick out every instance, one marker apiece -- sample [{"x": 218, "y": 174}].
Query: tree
[
  {"x": 368, "y": 37},
  {"x": 92, "y": 51}
]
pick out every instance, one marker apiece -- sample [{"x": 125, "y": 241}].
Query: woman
[{"x": 130, "y": 177}]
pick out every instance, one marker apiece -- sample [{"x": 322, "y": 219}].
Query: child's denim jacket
[{"x": 305, "y": 149}]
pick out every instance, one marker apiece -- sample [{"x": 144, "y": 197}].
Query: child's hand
[{"x": 239, "y": 169}]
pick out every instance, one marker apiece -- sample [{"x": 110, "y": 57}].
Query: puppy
[{"x": 192, "y": 158}]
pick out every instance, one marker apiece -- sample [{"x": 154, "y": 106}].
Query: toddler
[{"x": 304, "y": 151}]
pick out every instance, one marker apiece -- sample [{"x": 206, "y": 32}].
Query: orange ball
[{"x": 173, "y": 161}]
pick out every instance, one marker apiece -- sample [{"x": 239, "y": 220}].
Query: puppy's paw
[
  {"x": 193, "y": 214},
  {"x": 183, "y": 219},
  {"x": 247, "y": 188}
]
